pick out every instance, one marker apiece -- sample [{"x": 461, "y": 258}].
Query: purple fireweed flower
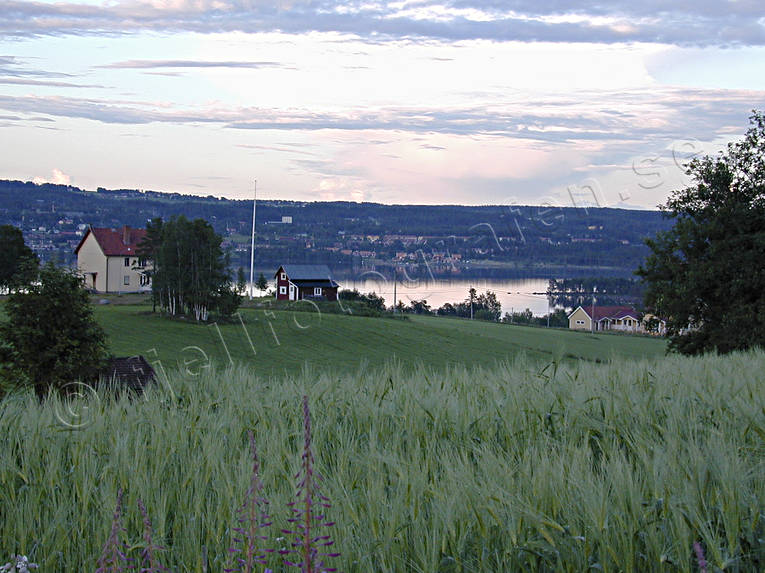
[
  {"x": 252, "y": 516},
  {"x": 308, "y": 512},
  {"x": 149, "y": 562},
  {"x": 114, "y": 558},
  {"x": 700, "y": 557}
]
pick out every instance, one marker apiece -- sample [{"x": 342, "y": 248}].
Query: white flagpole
[{"x": 252, "y": 243}]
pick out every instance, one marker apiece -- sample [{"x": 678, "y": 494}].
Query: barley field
[{"x": 522, "y": 466}]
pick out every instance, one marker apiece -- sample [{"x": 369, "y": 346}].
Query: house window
[
  {"x": 580, "y": 322},
  {"x": 127, "y": 262},
  {"x": 126, "y": 280},
  {"x": 284, "y": 276},
  {"x": 282, "y": 290},
  {"x": 317, "y": 291}
]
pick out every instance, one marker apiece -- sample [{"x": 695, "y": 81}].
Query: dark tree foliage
[
  {"x": 51, "y": 338},
  {"x": 149, "y": 249},
  {"x": 261, "y": 284},
  {"x": 18, "y": 263},
  {"x": 706, "y": 274},
  {"x": 190, "y": 269},
  {"x": 418, "y": 307},
  {"x": 485, "y": 306},
  {"x": 570, "y": 293},
  {"x": 555, "y": 319},
  {"x": 241, "y": 281},
  {"x": 372, "y": 300}
]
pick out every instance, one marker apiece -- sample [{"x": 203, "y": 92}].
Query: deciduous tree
[
  {"x": 51, "y": 337},
  {"x": 706, "y": 274},
  {"x": 190, "y": 269}
]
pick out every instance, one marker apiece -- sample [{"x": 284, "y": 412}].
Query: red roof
[
  {"x": 116, "y": 242},
  {"x": 602, "y": 312}
]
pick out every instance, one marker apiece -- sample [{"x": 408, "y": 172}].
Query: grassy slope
[{"x": 286, "y": 341}]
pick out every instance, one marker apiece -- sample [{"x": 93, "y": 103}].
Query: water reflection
[{"x": 515, "y": 295}]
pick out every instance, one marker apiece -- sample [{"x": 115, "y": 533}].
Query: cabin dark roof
[
  {"x": 324, "y": 284},
  {"x": 307, "y": 272},
  {"x": 133, "y": 372}
]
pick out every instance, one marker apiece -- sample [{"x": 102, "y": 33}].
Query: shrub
[{"x": 51, "y": 338}]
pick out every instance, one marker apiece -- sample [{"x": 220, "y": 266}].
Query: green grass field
[
  {"x": 277, "y": 342},
  {"x": 616, "y": 467}
]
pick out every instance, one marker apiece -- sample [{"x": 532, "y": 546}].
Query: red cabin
[{"x": 298, "y": 282}]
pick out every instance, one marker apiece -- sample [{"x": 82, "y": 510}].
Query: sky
[{"x": 417, "y": 101}]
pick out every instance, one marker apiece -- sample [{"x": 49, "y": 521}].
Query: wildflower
[
  {"x": 253, "y": 515},
  {"x": 308, "y": 511},
  {"x": 149, "y": 563},
  {"x": 700, "y": 557},
  {"x": 113, "y": 558}
]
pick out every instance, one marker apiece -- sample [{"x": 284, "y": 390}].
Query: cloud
[
  {"x": 14, "y": 67},
  {"x": 684, "y": 22},
  {"x": 289, "y": 148},
  {"x": 58, "y": 178},
  {"x": 630, "y": 115},
  {"x": 153, "y": 64},
  {"x": 44, "y": 83}
]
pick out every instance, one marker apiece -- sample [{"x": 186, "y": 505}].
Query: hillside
[
  {"x": 284, "y": 341},
  {"x": 489, "y": 241}
]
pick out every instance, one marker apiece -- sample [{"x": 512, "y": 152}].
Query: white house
[{"x": 109, "y": 262}]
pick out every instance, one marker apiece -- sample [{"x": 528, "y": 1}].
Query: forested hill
[{"x": 489, "y": 240}]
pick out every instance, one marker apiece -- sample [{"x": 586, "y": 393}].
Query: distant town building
[{"x": 109, "y": 262}]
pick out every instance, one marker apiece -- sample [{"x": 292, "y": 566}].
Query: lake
[{"x": 514, "y": 294}]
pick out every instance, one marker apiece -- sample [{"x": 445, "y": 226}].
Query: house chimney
[{"x": 126, "y": 234}]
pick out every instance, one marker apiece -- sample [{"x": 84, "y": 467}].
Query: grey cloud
[
  {"x": 282, "y": 149},
  {"x": 683, "y": 22},
  {"x": 44, "y": 83},
  {"x": 645, "y": 115},
  {"x": 11, "y": 66}
]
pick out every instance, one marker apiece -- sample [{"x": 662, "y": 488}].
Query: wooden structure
[{"x": 298, "y": 282}]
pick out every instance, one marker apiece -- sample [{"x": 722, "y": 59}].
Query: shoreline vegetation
[{"x": 634, "y": 465}]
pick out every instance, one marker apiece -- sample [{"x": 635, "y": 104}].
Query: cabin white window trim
[
  {"x": 282, "y": 289},
  {"x": 317, "y": 291},
  {"x": 284, "y": 276},
  {"x": 126, "y": 280}
]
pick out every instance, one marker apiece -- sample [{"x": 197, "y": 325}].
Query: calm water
[{"x": 514, "y": 294}]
